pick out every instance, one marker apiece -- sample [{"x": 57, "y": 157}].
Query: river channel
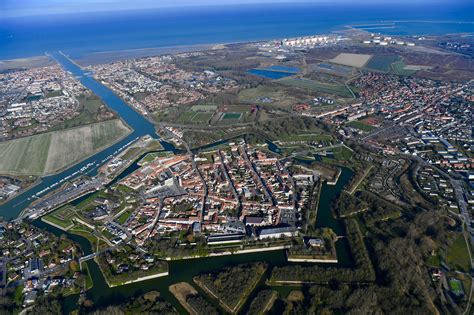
[{"x": 140, "y": 126}]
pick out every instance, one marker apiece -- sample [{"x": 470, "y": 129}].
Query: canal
[{"x": 140, "y": 127}]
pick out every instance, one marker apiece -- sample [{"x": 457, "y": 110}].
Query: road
[{"x": 256, "y": 175}]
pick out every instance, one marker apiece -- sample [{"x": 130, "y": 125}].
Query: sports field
[
  {"x": 49, "y": 152},
  {"x": 204, "y": 108},
  {"x": 195, "y": 116},
  {"x": 232, "y": 116}
]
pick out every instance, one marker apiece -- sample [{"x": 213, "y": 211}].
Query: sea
[{"x": 85, "y": 33}]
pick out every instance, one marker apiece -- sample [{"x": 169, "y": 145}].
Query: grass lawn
[
  {"x": 458, "y": 255},
  {"x": 359, "y": 125},
  {"x": 186, "y": 117},
  {"x": 61, "y": 217},
  {"x": 434, "y": 261},
  {"x": 339, "y": 154},
  {"x": 342, "y": 153},
  {"x": 87, "y": 275},
  {"x": 202, "y": 117},
  {"x": 123, "y": 217},
  {"x": 131, "y": 152},
  {"x": 150, "y": 157},
  {"x": 306, "y": 137}
]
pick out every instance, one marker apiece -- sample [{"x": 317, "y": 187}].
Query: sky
[{"x": 23, "y": 8}]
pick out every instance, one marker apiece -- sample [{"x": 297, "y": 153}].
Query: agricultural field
[
  {"x": 49, "y": 152},
  {"x": 351, "y": 60},
  {"x": 390, "y": 63},
  {"x": 334, "y": 69},
  {"x": 314, "y": 86},
  {"x": 25, "y": 156},
  {"x": 382, "y": 63}
]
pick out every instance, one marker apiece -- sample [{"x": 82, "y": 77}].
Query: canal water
[{"x": 140, "y": 126}]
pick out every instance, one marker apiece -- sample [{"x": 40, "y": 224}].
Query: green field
[
  {"x": 458, "y": 255},
  {"x": 306, "y": 137},
  {"x": 399, "y": 68},
  {"x": 123, "y": 217},
  {"x": 25, "y": 156},
  {"x": 456, "y": 286},
  {"x": 186, "y": 117},
  {"x": 90, "y": 107},
  {"x": 359, "y": 125},
  {"x": 204, "y": 108},
  {"x": 49, "y": 152},
  {"x": 314, "y": 86},
  {"x": 339, "y": 154},
  {"x": 61, "y": 217},
  {"x": 193, "y": 117},
  {"x": 389, "y": 63},
  {"x": 202, "y": 117}
]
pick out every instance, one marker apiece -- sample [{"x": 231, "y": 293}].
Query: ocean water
[{"x": 79, "y": 34}]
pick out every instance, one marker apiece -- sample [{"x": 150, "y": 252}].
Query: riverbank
[
  {"x": 153, "y": 276},
  {"x": 228, "y": 253}
]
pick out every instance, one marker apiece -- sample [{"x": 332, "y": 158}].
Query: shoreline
[{"x": 85, "y": 59}]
